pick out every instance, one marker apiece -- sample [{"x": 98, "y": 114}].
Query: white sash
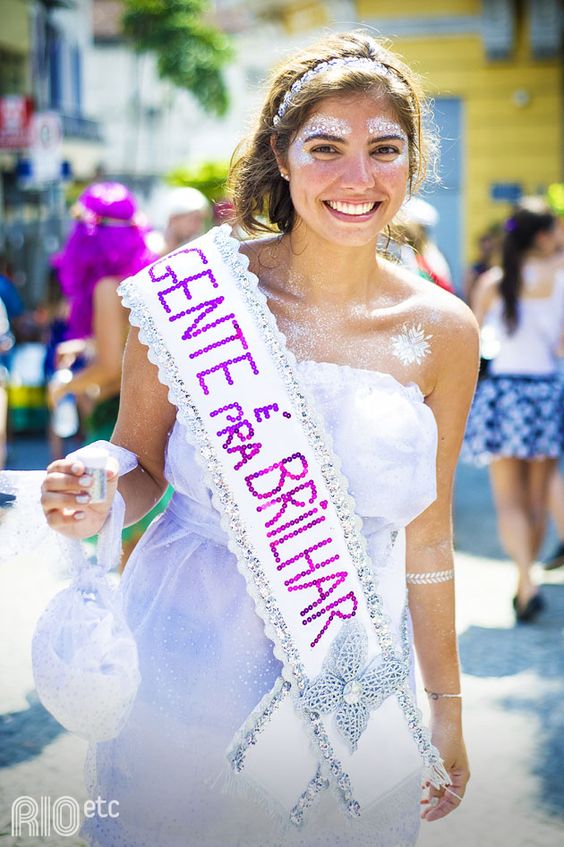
[{"x": 291, "y": 524}]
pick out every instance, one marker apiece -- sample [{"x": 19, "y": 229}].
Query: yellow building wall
[
  {"x": 503, "y": 140},
  {"x": 14, "y": 26},
  {"x": 416, "y": 8},
  {"x": 303, "y": 15}
]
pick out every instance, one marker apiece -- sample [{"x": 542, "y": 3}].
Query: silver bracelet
[
  {"x": 439, "y": 695},
  {"x": 429, "y": 577}
]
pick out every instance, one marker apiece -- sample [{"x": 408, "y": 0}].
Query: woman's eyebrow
[
  {"x": 322, "y": 135},
  {"x": 399, "y": 136}
]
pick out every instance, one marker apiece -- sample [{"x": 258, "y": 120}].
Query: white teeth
[{"x": 351, "y": 208}]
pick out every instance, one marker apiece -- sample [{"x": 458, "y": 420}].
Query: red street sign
[{"x": 15, "y": 121}]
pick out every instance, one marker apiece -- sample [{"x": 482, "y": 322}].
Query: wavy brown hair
[
  {"x": 261, "y": 196},
  {"x": 521, "y": 230}
]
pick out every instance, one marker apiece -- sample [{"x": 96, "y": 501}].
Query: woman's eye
[
  {"x": 387, "y": 150},
  {"x": 323, "y": 148}
]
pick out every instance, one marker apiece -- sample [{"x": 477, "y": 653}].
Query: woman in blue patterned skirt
[{"x": 516, "y": 421}]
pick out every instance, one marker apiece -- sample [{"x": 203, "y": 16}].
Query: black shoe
[
  {"x": 533, "y": 607},
  {"x": 556, "y": 560}
]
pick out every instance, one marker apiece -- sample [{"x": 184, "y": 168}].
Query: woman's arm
[
  {"x": 430, "y": 549},
  {"x": 486, "y": 289},
  {"x": 102, "y": 375},
  {"x": 144, "y": 422}
]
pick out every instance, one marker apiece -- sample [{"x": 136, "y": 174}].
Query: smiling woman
[
  {"x": 269, "y": 612},
  {"x": 298, "y": 88},
  {"x": 349, "y": 165}
]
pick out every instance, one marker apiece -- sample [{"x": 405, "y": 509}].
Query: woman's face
[
  {"x": 348, "y": 166},
  {"x": 547, "y": 241}
]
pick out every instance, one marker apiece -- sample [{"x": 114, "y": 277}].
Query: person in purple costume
[{"x": 106, "y": 245}]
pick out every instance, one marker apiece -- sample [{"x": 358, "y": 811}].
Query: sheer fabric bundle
[{"x": 85, "y": 662}]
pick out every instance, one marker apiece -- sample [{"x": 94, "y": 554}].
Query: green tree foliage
[
  {"x": 210, "y": 178},
  {"x": 555, "y": 196},
  {"x": 190, "y": 53}
]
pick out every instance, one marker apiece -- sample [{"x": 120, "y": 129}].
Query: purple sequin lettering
[
  {"x": 246, "y": 451},
  {"x": 243, "y": 430},
  {"x": 290, "y": 524},
  {"x": 224, "y": 366},
  {"x": 312, "y": 565},
  {"x": 168, "y": 270},
  {"x": 206, "y": 307},
  {"x": 227, "y": 408},
  {"x": 284, "y": 474},
  {"x": 290, "y": 513},
  {"x": 288, "y": 499},
  {"x": 263, "y": 412},
  {"x": 237, "y": 337},
  {"x": 182, "y": 285},
  {"x": 334, "y": 580},
  {"x": 295, "y": 532},
  {"x": 334, "y": 613}
]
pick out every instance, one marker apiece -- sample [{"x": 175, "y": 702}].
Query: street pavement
[{"x": 513, "y": 683}]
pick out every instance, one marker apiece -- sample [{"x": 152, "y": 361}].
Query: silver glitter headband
[{"x": 359, "y": 62}]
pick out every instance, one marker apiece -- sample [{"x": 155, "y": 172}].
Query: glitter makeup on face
[
  {"x": 322, "y": 125},
  {"x": 411, "y": 345},
  {"x": 381, "y": 126}
]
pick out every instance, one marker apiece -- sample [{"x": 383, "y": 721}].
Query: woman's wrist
[
  {"x": 56, "y": 393},
  {"x": 446, "y": 710},
  {"x": 439, "y": 694}
]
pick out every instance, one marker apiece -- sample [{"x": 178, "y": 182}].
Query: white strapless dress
[{"x": 205, "y": 661}]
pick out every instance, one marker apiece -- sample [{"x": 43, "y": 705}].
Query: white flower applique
[
  {"x": 411, "y": 345},
  {"x": 349, "y": 686}
]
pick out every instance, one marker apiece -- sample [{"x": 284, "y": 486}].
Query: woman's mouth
[{"x": 352, "y": 211}]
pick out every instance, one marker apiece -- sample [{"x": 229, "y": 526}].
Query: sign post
[
  {"x": 15, "y": 122},
  {"x": 46, "y": 147}
]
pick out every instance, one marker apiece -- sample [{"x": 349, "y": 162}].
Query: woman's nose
[{"x": 358, "y": 172}]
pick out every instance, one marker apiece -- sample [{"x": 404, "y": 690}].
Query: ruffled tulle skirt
[
  {"x": 515, "y": 416},
  {"x": 204, "y": 664}
]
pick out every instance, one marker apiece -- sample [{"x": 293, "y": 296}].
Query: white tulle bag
[{"x": 84, "y": 656}]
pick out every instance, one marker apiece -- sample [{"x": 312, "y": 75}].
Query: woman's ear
[{"x": 280, "y": 161}]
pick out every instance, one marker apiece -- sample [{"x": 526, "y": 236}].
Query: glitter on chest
[{"x": 411, "y": 346}]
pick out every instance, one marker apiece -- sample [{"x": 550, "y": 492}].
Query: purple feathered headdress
[{"x": 107, "y": 240}]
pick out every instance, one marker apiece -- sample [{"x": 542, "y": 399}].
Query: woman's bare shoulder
[
  {"x": 443, "y": 319},
  {"x": 489, "y": 280},
  {"x": 454, "y": 336},
  {"x": 430, "y": 303},
  {"x": 455, "y": 329},
  {"x": 558, "y": 266},
  {"x": 486, "y": 292},
  {"x": 259, "y": 250}
]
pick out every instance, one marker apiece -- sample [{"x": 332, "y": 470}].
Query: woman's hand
[
  {"x": 447, "y": 738},
  {"x": 67, "y": 352},
  {"x": 65, "y": 498},
  {"x": 55, "y": 392}
]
